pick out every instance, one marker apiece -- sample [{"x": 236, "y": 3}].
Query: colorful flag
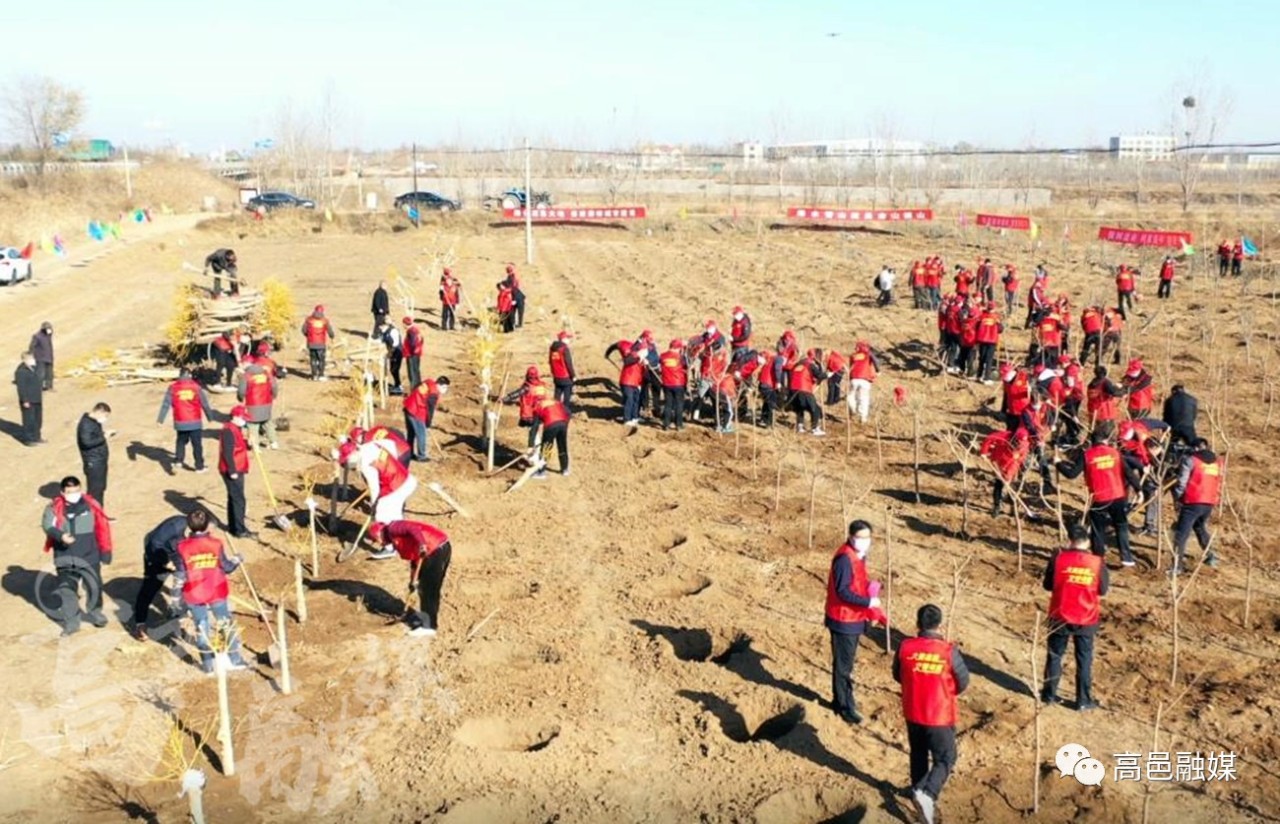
[
  {"x": 413, "y": 212},
  {"x": 1187, "y": 249},
  {"x": 114, "y": 229},
  {"x": 59, "y": 248},
  {"x": 138, "y": 216},
  {"x": 95, "y": 230},
  {"x": 1249, "y": 248},
  {"x": 28, "y": 250},
  {"x": 328, "y": 214},
  {"x": 1035, "y": 230},
  {"x": 45, "y": 245}
]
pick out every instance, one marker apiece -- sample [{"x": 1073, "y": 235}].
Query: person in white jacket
[{"x": 389, "y": 484}]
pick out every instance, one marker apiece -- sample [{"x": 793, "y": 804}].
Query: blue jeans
[
  {"x": 220, "y": 612},
  {"x": 630, "y": 403},
  {"x": 416, "y": 431}
]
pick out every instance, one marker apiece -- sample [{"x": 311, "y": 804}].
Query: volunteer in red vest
[
  {"x": 1073, "y": 383},
  {"x": 1141, "y": 443},
  {"x": 631, "y": 378},
  {"x": 202, "y": 569},
  {"x": 78, "y": 534},
  {"x": 801, "y": 380},
  {"x": 1077, "y": 579},
  {"x": 233, "y": 465},
  {"x": 1049, "y": 335},
  {"x": 932, "y": 673},
  {"x": 1091, "y": 320},
  {"x": 428, "y": 551},
  {"x": 450, "y": 294},
  {"x": 1141, "y": 389},
  {"x": 919, "y": 295},
  {"x": 257, "y": 391},
  {"x": 529, "y": 395},
  {"x": 1017, "y": 394},
  {"x": 673, "y": 369},
  {"x": 506, "y": 307},
  {"x": 852, "y": 600},
  {"x": 552, "y": 426},
  {"x": 389, "y": 484},
  {"x": 420, "y": 412},
  {"x": 1166, "y": 277},
  {"x": 989, "y": 329},
  {"x": 1103, "y": 469},
  {"x": 1037, "y": 298},
  {"x": 318, "y": 331},
  {"x": 740, "y": 329},
  {"x": 560, "y": 359},
  {"x": 1010, "y": 281},
  {"x": 834, "y": 367},
  {"x": 411, "y": 347},
  {"x": 225, "y": 358},
  {"x": 392, "y": 439},
  {"x": 1103, "y": 400},
  {"x": 1112, "y": 334},
  {"x": 1007, "y": 451},
  {"x": 1237, "y": 257},
  {"x": 863, "y": 369},
  {"x": 1126, "y": 285},
  {"x": 517, "y": 294},
  {"x": 770, "y": 366},
  {"x": 190, "y": 407},
  {"x": 1224, "y": 258},
  {"x": 1198, "y": 491},
  {"x": 726, "y": 400}
]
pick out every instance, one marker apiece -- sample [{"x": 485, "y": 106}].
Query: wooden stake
[
  {"x": 888, "y": 580},
  {"x": 491, "y": 425},
  {"x": 956, "y": 569},
  {"x": 915, "y": 457},
  {"x": 300, "y": 592},
  {"x": 813, "y": 494},
  {"x": 777, "y": 488},
  {"x": 315, "y": 544},
  {"x": 1035, "y": 701},
  {"x": 228, "y": 755},
  {"x": 286, "y": 683},
  {"x": 382, "y": 385},
  {"x": 879, "y": 447}
]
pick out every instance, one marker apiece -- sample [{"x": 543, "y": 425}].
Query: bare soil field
[{"x": 642, "y": 640}]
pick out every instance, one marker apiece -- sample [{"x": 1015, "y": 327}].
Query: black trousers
[
  {"x": 95, "y": 480},
  {"x": 224, "y": 363},
  {"x": 1124, "y": 302},
  {"x": 933, "y": 757},
  {"x": 563, "y": 392},
  {"x": 558, "y": 433},
  {"x": 673, "y": 406},
  {"x": 986, "y": 360},
  {"x": 415, "y": 370},
  {"x": 509, "y": 321},
  {"x": 1115, "y": 513},
  {"x": 1092, "y": 345},
  {"x": 317, "y": 356},
  {"x": 430, "y": 581},
  {"x": 833, "y": 389},
  {"x": 154, "y": 570},
  {"x": 1110, "y": 346},
  {"x": 1223, "y": 265},
  {"x": 193, "y": 437},
  {"x": 1166, "y": 288},
  {"x": 32, "y": 421},
  {"x": 448, "y": 317},
  {"x": 806, "y": 402},
  {"x": 394, "y": 361},
  {"x": 519, "y": 312},
  {"x": 235, "y": 504},
  {"x": 1057, "y": 645},
  {"x": 768, "y": 404},
  {"x": 844, "y": 653},
  {"x": 46, "y": 375},
  {"x": 1235, "y": 266},
  {"x": 74, "y": 574},
  {"x": 651, "y": 393},
  {"x": 1191, "y": 518}
]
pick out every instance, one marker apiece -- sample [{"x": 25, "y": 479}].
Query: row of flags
[{"x": 98, "y": 230}]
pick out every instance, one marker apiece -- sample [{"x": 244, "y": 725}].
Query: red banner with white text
[
  {"x": 1018, "y": 222},
  {"x": 860, "y": 215},
  {"x": 1144, "y": 237},
  {"x": 579, "y": 213}
]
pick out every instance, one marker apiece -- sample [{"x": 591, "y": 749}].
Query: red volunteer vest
[
  {"x": 240, "y": 454},
  {"x": 382, "y": 433},
  {"x": 1103, "y": 474},
  {"x": 860, "y": 366},
  {"x": 391, "y": 473},
  {"x": 928, "y": 685},
  {"x": 989, "y": 328},
  {"x": 1205, "y": 484},
  {"x": 1076, "y": 578},
  {"x": 506, "y": 301},
  {"x": 1124, "y": 282},
  {"x": 1017, "y": 394},
  {"x": 206, "y": 582},
  {"x": 449, "y": 292},
  {"x": 672, "y": 369},
  {"x": 736, "y": 330},
  {"x": 1141, "y": 400},
  {"x": 836, "y": 609},
  {"x": 184, "y": 397},
  {"x": 550, "y": 412},
  {"x": 414, "y": 540},
  {"x": 412, "y": 343},
  {"x": 1050, "y": 333},
  {"x": 835, "y": 362},
  {"x": 530, "y": 398},
  {"x": 317, "y": 331},
  {"x": 257, "y": 389},
  {"x": 1091, "y": 321},
  {"x": 1102, "y": 406},
  {"x": 559, "y": 370},
  {"x": 801, "y": 377},
  {"x": 632, "y": 374},
  {"x": 416, "y": 401}
]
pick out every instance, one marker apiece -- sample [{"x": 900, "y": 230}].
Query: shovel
[
  {"x": 282, "y": 523},
  {"x": 350, "y": 549},
  {"x": 273, "y": 650}
]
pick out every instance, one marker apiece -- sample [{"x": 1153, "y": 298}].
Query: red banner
[
  {"x": 579, "y": 213},
  {"x": 1022, "y": 224},
  {"x": 1144, "y": 237},
  {"x": 820, "y": 213}
]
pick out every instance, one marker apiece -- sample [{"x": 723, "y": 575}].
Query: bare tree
[
  {"x": 1203, "y": 113},
  {"x": 38, "y": 108}
]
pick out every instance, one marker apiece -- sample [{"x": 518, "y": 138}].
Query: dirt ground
[{"x": 643, "y": 640}]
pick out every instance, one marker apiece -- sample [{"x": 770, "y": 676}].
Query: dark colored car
[
  {"x": 427, "y": 201},
  {"x": 278, "y": 200}
]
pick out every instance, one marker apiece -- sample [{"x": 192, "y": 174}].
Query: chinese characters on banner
[
  {"x": 817, "y": 213},
  {"x": 1144, "y": 237},
  {"x": 1018, "y": 222},
  {"x": 1178, "y": 766},
  {"x": 579, "y": 213}
]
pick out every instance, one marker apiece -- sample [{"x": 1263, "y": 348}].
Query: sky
[{"x": 220, "y": 75}]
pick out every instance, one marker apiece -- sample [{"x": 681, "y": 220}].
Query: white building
[
  {"x": 905, "y": 152},
  {"x": 752, "y": 153},
  {"x": 1143, "y": 147},
  {"x": 656, "y": 158}
]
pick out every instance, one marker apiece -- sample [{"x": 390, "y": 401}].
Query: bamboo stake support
[
  {"x": 813, "y": 494},
  {"x": 448, "y": 499},
  {"x": 888, "y": 580},
  {"x": 1035, "y": 700},
  {"x": 315, "y": 544},
  {"x": 193, "y": 782},
  {"x": 491, "y": 425},
  {"x": 299, "y": 590},
  {"x": 228, "y": 755},
  {"x": 286, "y": 682}
]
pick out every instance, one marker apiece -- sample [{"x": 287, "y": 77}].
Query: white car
[{"x": 13, "y": 266}]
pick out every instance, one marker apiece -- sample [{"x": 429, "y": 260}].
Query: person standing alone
[
  {"x": 381, "y": 305},
  {"x": 852, "y": 601},
  {"x": 42, "y": 347},
  {"x": 91, "y": 438},
  {"x": 190, "y": 406},
  {"x": 932, "y": 673},
  {"x": 318, "y": 331},
  {"x": 233, "y": 464},
  {"x": 30, "y": 399}
]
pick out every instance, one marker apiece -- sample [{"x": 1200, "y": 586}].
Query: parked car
[
  {"x": 427, "y": 201},
  {"x": 515, "y": 198},
  {"x": 278, "y": 200},
  {"x": 13, "y": 266}
]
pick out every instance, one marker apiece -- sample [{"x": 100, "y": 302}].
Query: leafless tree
[
  {"x": 1203, "y": 112},
  {"x": 38, "y": 108}
]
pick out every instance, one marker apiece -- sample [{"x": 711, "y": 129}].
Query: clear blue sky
[{"x": 603, "y": 73}]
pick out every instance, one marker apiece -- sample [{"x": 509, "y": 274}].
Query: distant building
[
  {"x": 905, "y": 152},
  {"x": 661, "y": 158},
  {"x": 752, "y": 153},
  {"x": 1263, "y": 161},
  {"x": 1145, "y": 147}
]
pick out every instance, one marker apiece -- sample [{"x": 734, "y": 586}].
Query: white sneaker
[
  {"x": 422, "y": 632},
  {"x": 323, "y": 378},
  {"x": 924, "y": 805},
  {"x": 1128, "y": 563},
  {"x": 383, "y": 554},
  {"x": 819, "y": 432},
  {"x": 800, "y": 428},
  {"x": 564, "y": 473},
  {"x": 633, "y": 422},
  {"x": 275, "y": 445}
]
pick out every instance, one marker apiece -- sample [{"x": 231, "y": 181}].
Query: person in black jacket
[
  {"x": 159, "y": 558},
  {"x": 42, "y": 347},
  {"x": 223, "y": 260},
  {"x": 381, "y": 305},
  {"x": 1180, "y": 410},
  {"x": 92, "y": 440},
  {"x": 30, "y": 395}
]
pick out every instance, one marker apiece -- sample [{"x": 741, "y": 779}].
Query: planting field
[{"x": 642, "y": 640}]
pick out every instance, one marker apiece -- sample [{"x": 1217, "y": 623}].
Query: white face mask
[
  {"x": 72, "y": 497},
  {"x": 711, "y": 330},
  {"x": 862, "y": 546}
]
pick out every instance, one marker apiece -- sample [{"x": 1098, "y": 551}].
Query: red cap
[
  {"x": 375, "y": 532},
  {"x": 624, "y": 346},
  {"x": 356, "y": 434},
  {"x": 407, "y": 321},
  {"x": 319, "y": 310},
  {"x": 239, "y": 412},
  {"x": 1135, "y": 367},
  {"x": 710, "y": 323},
  {"x": 263, "y": 348},
  {"x": 648, "y": 333},
  {"x": 1063, "y": 360},
  {"x": 564, "y": 335},
  {"x": 531, "y": 373},
  {"x": 511, "y": 269},
  {"x": 448, "y": 271},
  {"x": 676, "y": 343},
  {"x": 737, "y": 309}
]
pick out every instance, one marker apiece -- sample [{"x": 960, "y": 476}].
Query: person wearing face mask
[
  {"x": 30, "y": 399},
  {"x": 91, "y": 438},
  {"x": 740, "y": 331},
  {"x": 852, "y": 601},
  {"x": 42, "y": 347},
  {"x": 79, "y": 536},
  {"x": 233, "y": 465}
]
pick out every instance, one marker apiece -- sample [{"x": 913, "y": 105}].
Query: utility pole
[
  {"x": 528, "y": 207},
  {"x": 128, "y": 178},
  {"x": 417, "y": 210}
]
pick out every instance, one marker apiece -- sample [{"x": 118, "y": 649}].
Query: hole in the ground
[
  {"x": 677, "y": 541},
  {"x": 680, "y": 586},
  {"x": 811, "y": 805},
  {"x": 741, "y": 643},
  {"x": 690, "y": 644},
  {"x": 505, "y": 735}
]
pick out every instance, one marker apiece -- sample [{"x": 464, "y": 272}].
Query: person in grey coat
[{"x": 42, "y": 347}]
